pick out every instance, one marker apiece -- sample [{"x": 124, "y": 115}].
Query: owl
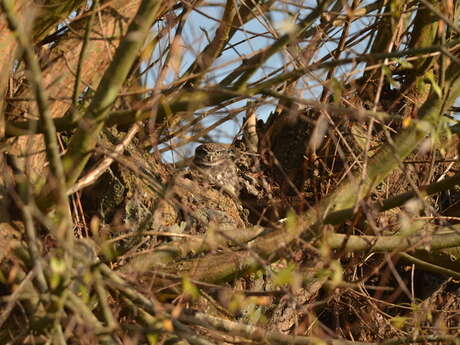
[{"x": 215, "y": 164}]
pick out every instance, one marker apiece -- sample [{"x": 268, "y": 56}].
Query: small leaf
[
  {"x": 152, "y": 338},
  {"x": 336, "y": 273},
  {"x": 284, "y": 277},
  {"x": 58, "y": 269},
  {"x": 399, "y": 321},
  {"x": 429, "y": 76},
  {"x": 291, "y": 221},
  {"x": 189, "y": 288}
]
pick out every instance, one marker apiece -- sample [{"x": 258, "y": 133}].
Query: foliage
[{"x": 344, "y": 225}]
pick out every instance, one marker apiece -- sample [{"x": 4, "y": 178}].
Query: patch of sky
[{"x": 255, "y": 35}]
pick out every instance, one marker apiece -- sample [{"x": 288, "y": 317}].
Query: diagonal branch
[
  {"x": 36, "y": 80},
  {"x": 307, "y": 226},
  {"x": 214, "y": 49},
  {"x": 250, "y": 66},
  {"x": 85, "y": 138}
]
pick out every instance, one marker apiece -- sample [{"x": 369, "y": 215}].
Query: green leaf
[
  {"x": 429, "y": 76},
  {"x": 190, "y": 289},
  {"x": 399, "y": 321},
  {"x": 291, "y": 221},
  {"x": 285, "y": 277},
  {"x": 58, "y": 269},
  {"x": 336, "y": 273},
  {"x": 152, "y": 338}
]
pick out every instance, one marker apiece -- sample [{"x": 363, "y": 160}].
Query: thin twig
[
  {"x": 256, "y": 333},
  {"x": 14, "y": 297},
  {"x": 89, "y": 23},
  {"x": 85, "y": 138},
  {"x": 52, "y": 150},
  {"x": 92, "y": 176}
]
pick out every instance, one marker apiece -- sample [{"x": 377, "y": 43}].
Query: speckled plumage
[{"x": 215, "y": 164}]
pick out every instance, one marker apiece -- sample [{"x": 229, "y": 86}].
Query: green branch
[
  {"x": 85, "y": 138},
  {"x": 354, "y": 243},
  {"x": 250, "y": 66},
  {"x": 191, "y": 100},
  {"x": 49, "y": 129},
  {"x": 307, "y": 226}
]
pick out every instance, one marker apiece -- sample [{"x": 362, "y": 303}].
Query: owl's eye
[{"x": 200, "y": 151}]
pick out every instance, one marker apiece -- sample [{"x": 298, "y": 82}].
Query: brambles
[{"x": 330, "y": 214}]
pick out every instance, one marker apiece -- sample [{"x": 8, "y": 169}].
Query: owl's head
[{"x": 212, "y": 154}]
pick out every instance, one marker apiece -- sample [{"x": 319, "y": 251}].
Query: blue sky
[
  {"x": 195, "y": 40},
  {"x": 199, "y": 26}
]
